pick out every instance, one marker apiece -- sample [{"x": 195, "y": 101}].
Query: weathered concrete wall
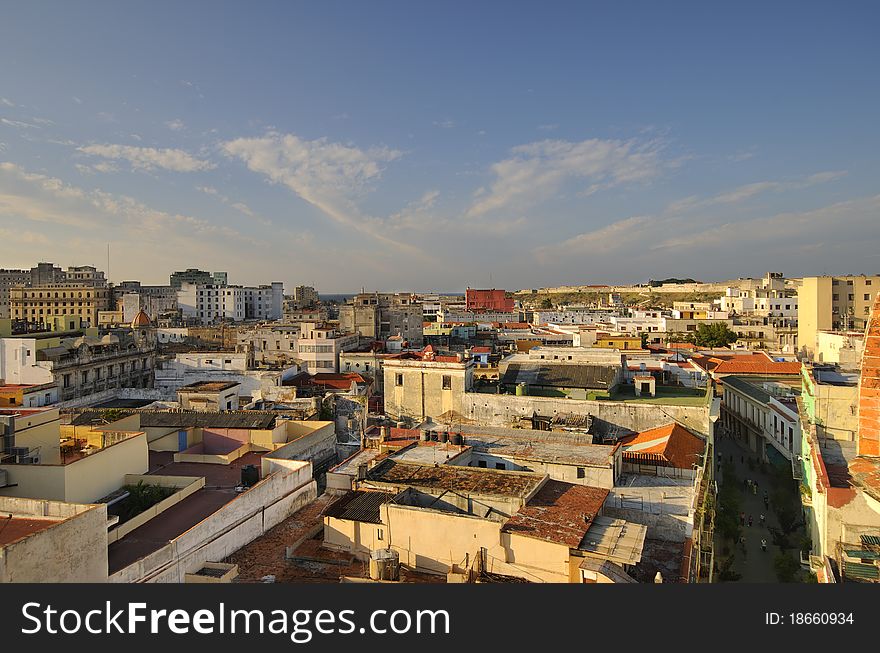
[
  {"x": 71, "y": 551},
  {"x": 505, "y": 410},
  {"x": 240, "y": 521}
]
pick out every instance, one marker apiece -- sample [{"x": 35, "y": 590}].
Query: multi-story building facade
[
  {"x": 382, "y": 315},
  {"x": 425, "y": 384},
  {"x": 11, "y": 279},
  {"x": 87, "y": 275},
  {"x": 208, "y": 303},
  {"x": 833, "y": 304},
  {"x": 305, "y": 296},
  {"x": 80, "y": 366},
  {"x": 38, "y": 303},
  {"x": 315, "y": 347},
  {"x": 488, "y": 300},
  {"x": 199, "y": 277}
]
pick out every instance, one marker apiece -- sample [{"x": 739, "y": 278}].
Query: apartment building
[
  {"x": 305, "y": 296},
  {"x": 11, "y": 279},
  {"x": 212, "y": 303},
  {"x": 382, "y": 315},
  {"x": 79, "y": 366},
  {"x": 198, "y": 277},
  {"x": 833, "y": 304},
  {"x": 425, "y": 384},
  {"x": 37, "y": 304}
]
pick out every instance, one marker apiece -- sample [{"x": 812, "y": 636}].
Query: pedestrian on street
[
  {"x": 750, "y": 520},
  {"x": 763, "y": 544},
  {"x": 742, "y": 519},
  {"x": 762, "y": 519},
  {"x": 754, "y": 489},
  {"x": 766, "y": 502}
]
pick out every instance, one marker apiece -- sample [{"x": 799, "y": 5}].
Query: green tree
[
  {"x": 546, "y": 303},
  {"x": 713, "y": 335}
]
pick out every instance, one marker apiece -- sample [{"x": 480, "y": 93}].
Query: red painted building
[{"x": 487, "y": 300}]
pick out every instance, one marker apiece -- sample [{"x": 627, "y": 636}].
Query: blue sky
[{"x": 416, "y": 146}]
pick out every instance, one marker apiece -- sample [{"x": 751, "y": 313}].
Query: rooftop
[
  {"x": 561, "y": 375},
  {"x": 219, "y": 489},
  {"x": 359, "y": 505},
  {"x": 14, "y": 528},
  {"x": 239, "y": 419},
  {"x": 671, "y": 445},
  {"x": 452, "y": 477},
  {"x": 559, "y": 512},
  {"x": 208, "y": 386}
]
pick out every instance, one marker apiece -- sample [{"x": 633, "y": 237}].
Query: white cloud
[
  {"x": 150, "y": 158},
  {"x": 175, "y": 125},
  {"x": 76, "y": 99},
  {"x": 326, "y": 175},
  {"x": 241, "y": 207},
  {"x": 548, "y": 128},
  {"x": 6, "y": 103},
  {"x": 444, "y": 124},
  {"x": 747, "y": 191},
  {"x": 18, "y": 124},
  {"x": 537, "y": 170},
  {"x": 611, "y": 237}
]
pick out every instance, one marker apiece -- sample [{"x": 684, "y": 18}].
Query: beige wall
[
  {"x": 422, "y": 392},
  {"x": 543, "y": 560},
  {"x": 85, "y": 480},
  {"x": 40, "y": 430},
  {"x": 71, "y": 551},
  {"x": 435, "y": 541}
]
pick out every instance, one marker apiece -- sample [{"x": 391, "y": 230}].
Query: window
[
  {"x": 379, "y": 534},
  {"x": 835, "y": 297},
  {"x": 867, "y": 282},
  {"x": 66, "y": 380},
  {"x": 581, "y": 472},
  {"x": 481, "y": 463},
  {"x": 447, "y": 382},
  {"x": 691, "y": 327},
  {"x": 867, "y": 296},
  {"x": 228, "y": 361},
  {"x": 398, "y": 380},
  {"x": 85, "y": 377},
  {"x": 851, "y": 297},
  {"x": 500, "y": 466}
]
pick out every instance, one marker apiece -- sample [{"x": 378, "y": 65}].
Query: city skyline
[{"x": 391, "y": 146}]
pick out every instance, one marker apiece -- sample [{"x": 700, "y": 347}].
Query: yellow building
[
  {"x": 38, "y": 304},
  {"x": 833, "y": 304},
  {"x": 618, "y": 342}
]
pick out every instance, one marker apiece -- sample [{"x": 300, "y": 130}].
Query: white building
[{"x": 210, "y": 303}]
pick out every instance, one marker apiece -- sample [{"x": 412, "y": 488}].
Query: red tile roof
[
  {"x": 481, "y": 350},
  {"x": 559, "y": 512},
  {"x": 337, "y": 381},
  {"x": 671, "y": 445},
  {"x": 758, "y": 367}
]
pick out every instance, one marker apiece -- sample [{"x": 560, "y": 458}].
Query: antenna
[{"x": 108, "y": 261}]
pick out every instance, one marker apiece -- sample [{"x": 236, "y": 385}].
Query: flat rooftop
[
  {"x": 562, "y": 447},
  {"x": 239, "y": 419},
  {"x": 13, "y": 529},
  {"x": 219, "y": 489},
  {"x": 468, "y": 480},
  {"x": 428, "y": 453},
  {"x": 350, "y": 465},
  {"x": 208, "y": 386}
]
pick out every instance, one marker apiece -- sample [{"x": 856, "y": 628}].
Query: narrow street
[{"x": 751, "y": 563}]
